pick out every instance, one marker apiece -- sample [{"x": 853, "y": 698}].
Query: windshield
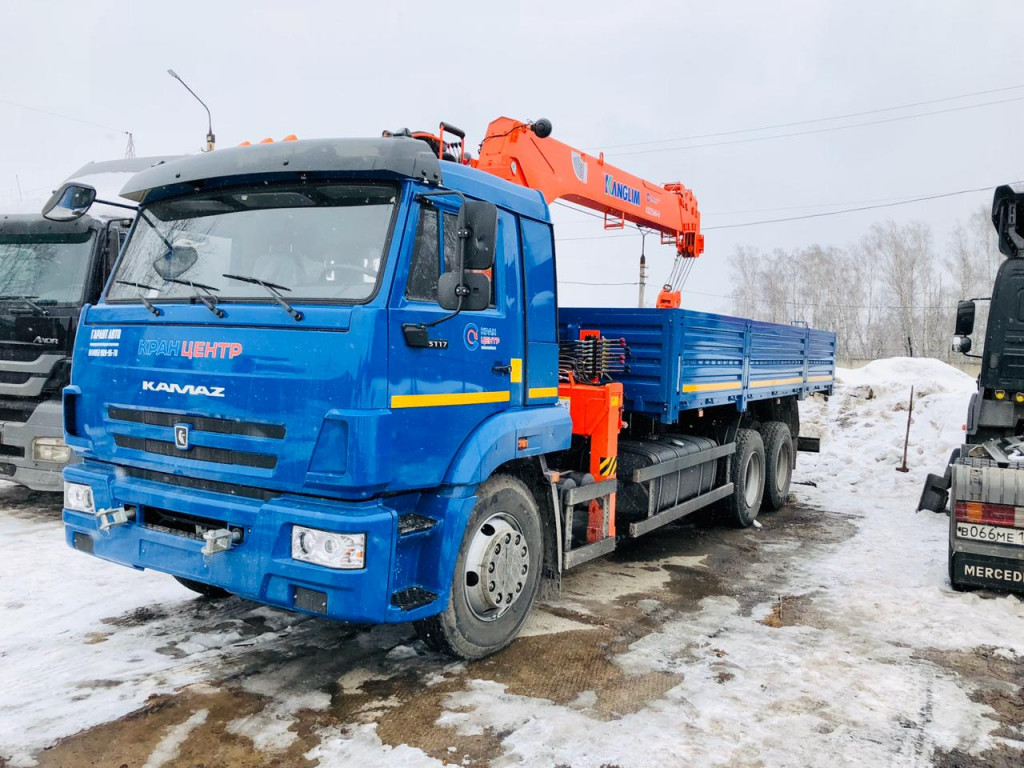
[
  {"x": 318, "y": 240},
  {"x": 50, "y": 269}
]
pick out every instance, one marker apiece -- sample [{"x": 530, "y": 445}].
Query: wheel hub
[
  {"x": 497, "y": 567},
  {"x": 752, "y": 479}
]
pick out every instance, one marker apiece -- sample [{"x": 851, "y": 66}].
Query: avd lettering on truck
[{"x": 341, "y": 383}]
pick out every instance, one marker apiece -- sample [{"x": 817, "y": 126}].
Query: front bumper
[
  {"x": 260, "y": 566},
  {"x": 16, "y": 462}
]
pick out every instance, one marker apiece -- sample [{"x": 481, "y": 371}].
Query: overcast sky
[{"x": 605, "y": 74}]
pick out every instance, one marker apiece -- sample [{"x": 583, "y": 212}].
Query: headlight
[
  {"x": 78, "y": 497},
  {"x": 332, "y": 550},
  {"x": 51, "y": 449}
]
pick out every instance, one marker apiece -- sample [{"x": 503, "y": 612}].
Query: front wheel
[{"x": 497, "y": 573}]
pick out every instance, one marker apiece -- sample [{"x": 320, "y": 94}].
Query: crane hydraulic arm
[{"x": 523, "y": 153}]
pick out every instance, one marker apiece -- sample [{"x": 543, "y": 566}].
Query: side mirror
[
  {"x": 176, "y": 261},
  {"x": 70, "y": 202},
  {"x": 962, "y": 344},
  {"x": 473, "y": 287},
  {"x": 964, "y": 318},
  {"x": 481, "y": 220}
]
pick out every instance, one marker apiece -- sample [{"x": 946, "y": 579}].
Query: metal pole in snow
[{"x": 906, "y": 440}]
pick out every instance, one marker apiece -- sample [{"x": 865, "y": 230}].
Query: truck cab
[{"x": 48, "y": 271}]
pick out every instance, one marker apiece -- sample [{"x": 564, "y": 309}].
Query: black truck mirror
[
  {"x": 70, "y": 202},
  {"x": 964, "y": 318},
  {"x": 480, "y": 220},
  {"x": 962, "y": 344},
  {"x": 473, "y": 287},
  {"x": 1008, "y": 219}
]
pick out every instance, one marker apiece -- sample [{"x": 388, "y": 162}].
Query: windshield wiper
[
  {"x": 143, "y": 287},
  {"x": 273, "y": 290},
  {"x": 28, "y": 301},
  {"x": 208, "y": 299}
]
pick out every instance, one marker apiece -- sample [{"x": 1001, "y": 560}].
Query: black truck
[
  {"x": 48, "y": 271},
  {"x": 983, "y": 485}
]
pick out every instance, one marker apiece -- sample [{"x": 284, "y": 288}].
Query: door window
[{"x": 425, "y": 267}]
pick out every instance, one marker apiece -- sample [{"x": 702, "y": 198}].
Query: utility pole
[
  {"x": 210, "y": 138},
  {"x": 643, "y": 270}
]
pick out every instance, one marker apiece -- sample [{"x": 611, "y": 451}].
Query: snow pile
[{"x": 864, "y": 426}]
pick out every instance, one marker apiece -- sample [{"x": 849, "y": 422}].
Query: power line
[
  {"x": 64, "y": 117},
  {"x": 859, "y": 208},
  {"x": 815, "y": 215},
  {"x": 822, "y": 130},
  {"x": 577, "y": 282},
  {"x": 817, "y": 119}
]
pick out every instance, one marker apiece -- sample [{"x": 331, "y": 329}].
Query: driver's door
[{"x": 474, "y": 365}]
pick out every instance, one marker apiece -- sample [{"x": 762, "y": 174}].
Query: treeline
[{"x": 892, "y": 293}]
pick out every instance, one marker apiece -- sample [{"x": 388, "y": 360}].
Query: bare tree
[{"x": 891, "y": 293}]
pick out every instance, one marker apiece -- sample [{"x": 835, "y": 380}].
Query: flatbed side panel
[{"x": 681, "y": 360}]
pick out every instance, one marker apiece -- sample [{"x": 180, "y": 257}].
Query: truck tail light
[{"x": 989, "y": 514}]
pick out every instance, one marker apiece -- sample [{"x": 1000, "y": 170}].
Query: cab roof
[{"x": 391, "y": 157}]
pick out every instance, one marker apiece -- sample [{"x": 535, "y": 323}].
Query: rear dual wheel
[
  {"x": 747, "y": 474},
  {"x": 778, "y": 454}
]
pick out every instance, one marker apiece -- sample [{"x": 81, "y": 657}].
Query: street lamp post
[{"x": 210, "y": 138}]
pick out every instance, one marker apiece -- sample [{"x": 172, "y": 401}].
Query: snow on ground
[
  {"x": 846, "y": 688},
  {"x": 838, "y": 670},
  {"x": 83, "y": 641}
]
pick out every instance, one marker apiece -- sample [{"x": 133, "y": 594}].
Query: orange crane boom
[{"x": 524, "y": 153}]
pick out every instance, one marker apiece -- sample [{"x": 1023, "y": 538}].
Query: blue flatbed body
[{"x": 680, "y": 360}]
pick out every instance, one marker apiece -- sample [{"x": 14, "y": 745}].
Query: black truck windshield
[
  {"x": 46, "y": 268},
  {"x": 319, "y": 240}
]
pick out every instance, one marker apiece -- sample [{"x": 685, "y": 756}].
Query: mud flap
[{"x": 935, "y": 495}]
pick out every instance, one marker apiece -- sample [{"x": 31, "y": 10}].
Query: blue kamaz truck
[{"x": 333, "y": 376}]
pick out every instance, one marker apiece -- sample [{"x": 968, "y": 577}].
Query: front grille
[
  {"x": 20, "y": 354},
  {"x": 12, "y": 450},
  {"x": 197, "y": 452},
  {"x": 198, "y": 423},
  {"x": 181, "y": 524},
  {"x": 17, "y": 409},
  {"x": 14, "y": 377},
  {"x": 213, "y": 486}
]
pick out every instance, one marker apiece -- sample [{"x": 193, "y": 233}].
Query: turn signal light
[
  {"x": 989, "y": 514},
  {"x": 1019, "y": 397},
  {"x": 1000, "y": 394}
]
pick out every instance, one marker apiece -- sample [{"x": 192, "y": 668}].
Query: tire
[
  {"x": 746, "y": 472},
  {"x": 479, "y": 620},
  {"x": 778, "y": 464},
  {"x": 206, "y": 590}
]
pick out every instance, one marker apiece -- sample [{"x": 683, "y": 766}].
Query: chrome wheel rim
[
  {"x": 752, "y": 479},
  {"x": 497, "y": 567},
  {"x": 782, "y": 468}
]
